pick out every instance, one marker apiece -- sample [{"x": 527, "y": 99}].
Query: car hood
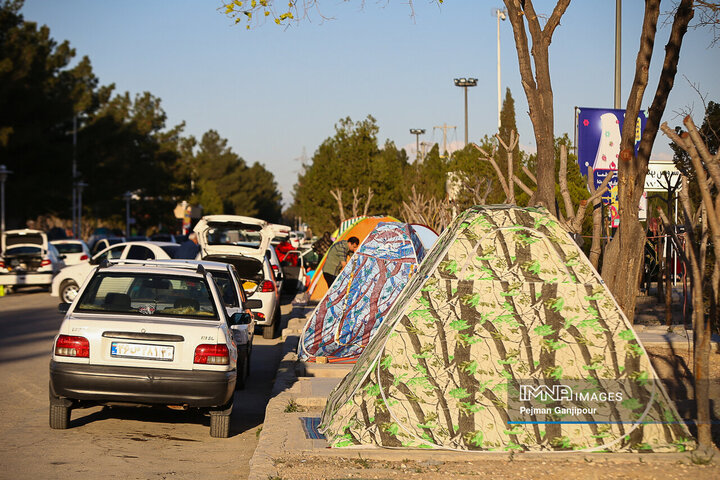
[{"x": 233, "y": 235}]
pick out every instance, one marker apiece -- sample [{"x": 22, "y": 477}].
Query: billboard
[{"x": 599, "y": 131}]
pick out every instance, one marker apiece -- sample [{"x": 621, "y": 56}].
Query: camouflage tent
[
  {"x": 505, "y": 339},
  {"x": 355, "y": 305}
]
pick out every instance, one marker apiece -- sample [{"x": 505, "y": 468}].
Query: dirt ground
[{"x": 674, "y": 367}]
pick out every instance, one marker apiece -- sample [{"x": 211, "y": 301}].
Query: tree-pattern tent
[
  {"x": 505, "y": 339},
  {"x": 359, "y": 229},
  {"x": 354, "y": 306}
]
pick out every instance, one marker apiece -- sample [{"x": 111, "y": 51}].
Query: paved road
[{"x": 127, "y": 443}]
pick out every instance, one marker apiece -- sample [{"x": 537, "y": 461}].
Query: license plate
[{"x": 142, "y": 350}]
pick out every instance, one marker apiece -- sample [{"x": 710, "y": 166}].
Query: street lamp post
[
  {"x": 4, "y": 172},
  {"x": 501, "y": 15},
  {"x": 465, "y": 83},
  {"x": 417, "y": 132},
  {"x": 127, "y": 196},
  {"x": 79, "y": 187}
]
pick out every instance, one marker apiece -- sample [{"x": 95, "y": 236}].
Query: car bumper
[
  {"x": 26, "y": 278},
  {"x": 151, "y": 386}
]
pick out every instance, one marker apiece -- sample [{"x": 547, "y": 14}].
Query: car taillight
[
  {"x": 275, "y": 268},
  {"x": 261, "y": 316},
  {"x": 83, "y": 257},
  {"x": 71, "y": 346},
  {"x": 212, "y": 354},
  {"x": 2, "y": 264},
  {"x": 45, "y": 263},
  {"x": 267, "y": 286}
]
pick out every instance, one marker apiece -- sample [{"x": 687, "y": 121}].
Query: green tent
[{"x": 505, "y": 339}]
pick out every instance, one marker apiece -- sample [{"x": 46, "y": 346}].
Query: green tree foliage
[
  {"x": 39, "y": 94},
  {"x": 123, "y": 142},
  {"x": 351, "y": 159},
  {"x": 226, "y": 185}
]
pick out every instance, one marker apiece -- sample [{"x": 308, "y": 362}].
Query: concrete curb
[{"x": 274, "y": 434}]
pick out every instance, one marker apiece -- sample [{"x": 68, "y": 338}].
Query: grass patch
[{"x": 292, "y": 407}]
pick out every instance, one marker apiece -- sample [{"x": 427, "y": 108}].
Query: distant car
[
  {"x": 28, "y": 259},
  {"x": 280, "y": 233},
  {"x": 75, "y": 251},
  {"x": 67, "y": 283},
  {"x": 163, "y": 237},
  {"x": 147, "y": 335},
  {"x": 105, "y": 242},
  {"x": 272, "y": 257},
  {"x": 243, "y": 242}
]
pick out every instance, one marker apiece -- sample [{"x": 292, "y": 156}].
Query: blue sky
[{"x": 276, "y": 93}]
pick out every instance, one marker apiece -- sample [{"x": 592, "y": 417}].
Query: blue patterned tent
[{"x": 362, "y": 294}]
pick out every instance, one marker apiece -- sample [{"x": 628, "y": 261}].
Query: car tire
[
  {"x": 269, "y": 330},
  {"x": 220, "y": 424},
  {"x": 243, "y": 369},
  {"x": 59, "y": 417},
  {"x": 68, "y": 291}
]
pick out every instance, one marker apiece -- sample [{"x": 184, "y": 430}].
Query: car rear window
[
  {"x": 148, "y": 294},
  {"x": 247, "y": 268},
  {"x": 68, "y": 247},
  {"x": 28, "y": 239},
  {"x": 234, "y": 233},
  {"x": 23, "y": 251}
]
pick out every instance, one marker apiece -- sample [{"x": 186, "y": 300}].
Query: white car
[
  {"x": 75, "y": 251},
  {"x": 233, "y": 294},
  {"x": 105, "y": 242},
  {"x": 147, "y": 335},
  {"x": 243, "y": 242},
  {"x": 67, "y": 283},
  {"x": 28, "y": 259}
]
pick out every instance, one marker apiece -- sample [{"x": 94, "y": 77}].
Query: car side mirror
[
  {"x": 278, "y": 277},
  {"x": 240, "y": 318},
  {"x": 63, "y": 307},
  {"x": 63, "y": 257},
  {"x": 93, "y": 261},
  {"x": 253, "y": 304}
]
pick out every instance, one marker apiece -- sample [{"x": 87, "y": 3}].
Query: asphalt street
[{"x": 128, "y": 443}]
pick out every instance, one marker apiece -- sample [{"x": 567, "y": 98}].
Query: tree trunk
[
  {"x": 538, "y": 89},
  {"x": 624, "y": 254}
]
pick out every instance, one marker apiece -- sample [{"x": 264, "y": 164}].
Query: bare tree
[
  {"x": 624, "y": 255},
  {"x": 427, "y": 211},
  {"x": 337, "y": 195},
  {"x": 701, "y": 222},
  {"x": 535, "y": 73}
]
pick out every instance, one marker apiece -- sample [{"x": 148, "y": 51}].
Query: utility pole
[
  {"x": 417, "y": 132},
  {"x": 618, "y": 50},
  {"x": 76, "y": 233},
  {"x": 465, "y": 83},
  {"x": 444, "y": 128},
  {"x": 501, "y": 15}
]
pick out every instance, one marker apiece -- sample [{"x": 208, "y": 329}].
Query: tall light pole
[
  {"x": 618, "y": 28},
  {"x": 417, "y": 132},
  {"x": 75, "y": 228},
  {"x": 4, "y": 172},
  {"x": 79, "y": 187},
  {"x": 127, "y": 196},
  {"x": 501, "y": 15},
  {"x": 465, "y": 83}
]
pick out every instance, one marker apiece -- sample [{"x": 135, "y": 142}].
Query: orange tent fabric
[{"x": 361, "y": 230}]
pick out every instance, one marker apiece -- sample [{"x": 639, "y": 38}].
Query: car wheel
[
  {"x": 59, "y": 417},
  {"x": 243, "y": 369},
  {"x": 269, "y": 331},
  {"x": 220, "y": 424},
  {"x": 69, "y": 290}
]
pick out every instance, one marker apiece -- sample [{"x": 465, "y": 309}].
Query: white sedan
[
  {"x": 75, "y": 251},
  {"x": 67, "y": 283}
]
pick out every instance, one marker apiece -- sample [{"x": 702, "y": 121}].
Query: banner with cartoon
[{"x": 598, "y": 146}]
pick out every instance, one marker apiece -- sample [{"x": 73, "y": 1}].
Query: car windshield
[
  {"x": 238, "y": 234},
  {"x": 68, "y": 247},
  {"x": 148, "y": 294}
]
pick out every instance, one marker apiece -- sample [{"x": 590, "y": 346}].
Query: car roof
[
  {"x": 67, "y": 240},
  {"x": 148, "y": 243},
  {"x": 148, "y": 266},
  {"x": 207, "y": 264}
]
